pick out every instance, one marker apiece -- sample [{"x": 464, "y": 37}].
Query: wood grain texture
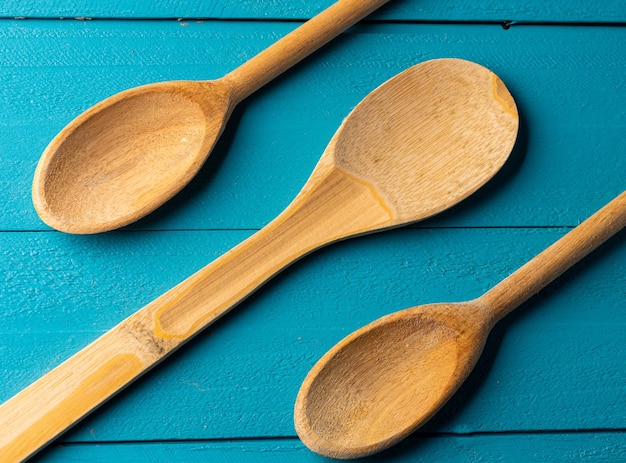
[
  {"x": 58, "y": 293},
  {"x": 430, "y": 10}
]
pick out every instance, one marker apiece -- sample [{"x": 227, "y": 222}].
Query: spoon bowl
[
  {"x": 87, "y": 182},
  {"x": 420, "y": 116},
  {"x": 382, "y": 382},
  {"x": 385, "y": 380}
]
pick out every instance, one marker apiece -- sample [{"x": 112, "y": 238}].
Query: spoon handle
[
  {"x": 61, "y": 397},
  {"x": 298, "y": 44},
  {"x": 549, "y": 264}
]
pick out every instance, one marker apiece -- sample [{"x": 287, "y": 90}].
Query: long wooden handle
[
  {"x": 549, "y": 264},
  {"x": 318, "y": 216},
  {"x": 298, "y": 44}
]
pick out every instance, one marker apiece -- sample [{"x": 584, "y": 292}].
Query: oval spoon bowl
[
  {"x": 352, "y": 406},
  {"x": 86, "y": 181}
]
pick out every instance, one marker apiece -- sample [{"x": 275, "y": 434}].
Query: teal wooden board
[
  {"x": 570, "y": 93},
  {"x": 595, "y": 447},
  {"x": 425, "y": 10},
  {"x": 551, "y": 385},
  {"x": 557, "y": 364}
]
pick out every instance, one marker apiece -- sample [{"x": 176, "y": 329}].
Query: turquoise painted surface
[
  {"x": 552, "y": 383},
  {"x": 429, "y": 10},
  {"x": 562, "y": 447},
  {"x": 557, "y": 364}
]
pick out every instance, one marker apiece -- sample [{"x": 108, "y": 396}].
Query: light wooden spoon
[
  {"x": 127, "y": 155},
  {"x": 415, "y": 146},
  {"x": 382, "y": 382}
]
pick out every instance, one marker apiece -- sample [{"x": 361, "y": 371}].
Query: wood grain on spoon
[
  {"x": 127, "y": 155},
  {"x": 382, "y": 382},
  {"x": 417, "y": 145}
]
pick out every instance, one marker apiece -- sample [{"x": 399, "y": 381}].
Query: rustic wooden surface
[{"x": 552, "y": 382}]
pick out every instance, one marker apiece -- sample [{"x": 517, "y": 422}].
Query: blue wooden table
[{"x": 551, "y": 385}]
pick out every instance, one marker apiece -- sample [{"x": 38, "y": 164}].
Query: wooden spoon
[
  {"x": 415, "y": 146},
  {"x": 382, "y": 382},
  {"x": 127, "y": 155}
]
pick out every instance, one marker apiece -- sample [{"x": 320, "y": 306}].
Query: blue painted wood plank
[
  {"x": 600, "y": 447},
  {"x": 570, "y": 91},
  {"x": 556, "y": 364},
  {"x": 428, "y": 10},
  {"x": 551, "y": 384}
]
